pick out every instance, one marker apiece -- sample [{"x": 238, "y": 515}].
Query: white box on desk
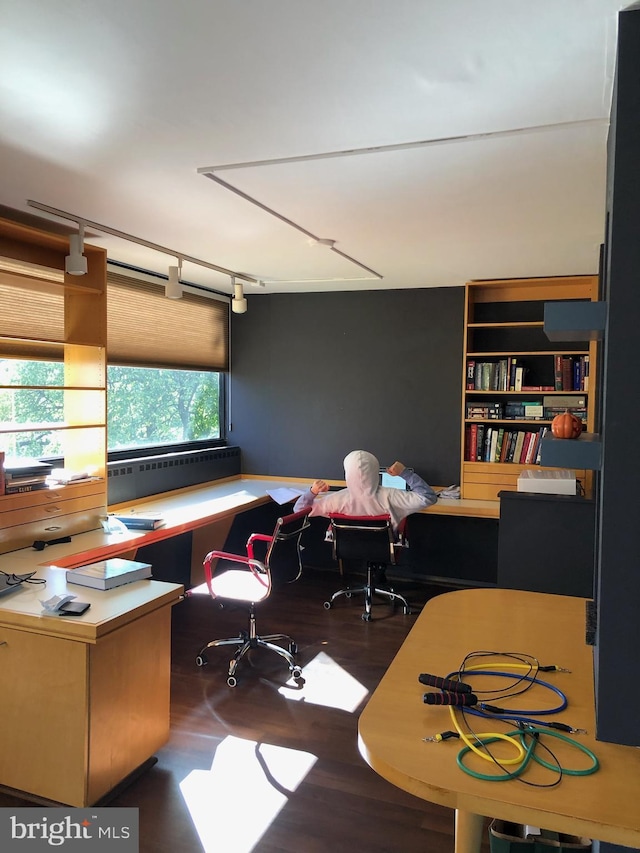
[{"x": 559, "y": 482}]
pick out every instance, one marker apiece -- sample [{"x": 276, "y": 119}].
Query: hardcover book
[
  {"x": 140, "y": 521},
  {"x": 107, "y": 574},
  {"x": 16, "y": 487}
]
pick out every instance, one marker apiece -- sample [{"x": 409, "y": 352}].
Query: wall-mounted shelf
[
  {"x": 582, "y": 452},
  {"x": 575, "y": 321}
]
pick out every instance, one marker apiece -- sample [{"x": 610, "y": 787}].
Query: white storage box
[{"x": 560, "y": 482}]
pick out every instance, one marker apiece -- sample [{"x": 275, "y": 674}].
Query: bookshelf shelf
[
  {"x": 508, "y": 362},
  {"x": 535, "y": 324},
  {"x": 541, "y": 353}
]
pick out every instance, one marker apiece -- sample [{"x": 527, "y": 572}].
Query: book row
[
  {"x": 564, "y": 373},
  {"x": 484, "y": 443},
  {"x": 506, "y": 374},
  {"x": 571, "y": 372},
  {"x": 18, "y": 476},
  {"x": 523, "y": 410}
]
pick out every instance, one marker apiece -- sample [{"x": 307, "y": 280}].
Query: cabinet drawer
[
  {"x": 53, "y": 509},
  {"x": 43, "y": 700},
  {"x": 48, "y": 497},
  {"x": 483, "y": 482},
  {"x": 51, "y": 526}
]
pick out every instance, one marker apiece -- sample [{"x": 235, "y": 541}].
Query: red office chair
[
  {"x": 368, "y": 539},
  {"x": 249, "y": 581}
]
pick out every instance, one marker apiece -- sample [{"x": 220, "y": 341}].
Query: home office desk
[
  {"x": 602, "y": 806},
  {"x": 209, "y": 510},
  {"x": 84, "y": 701}
]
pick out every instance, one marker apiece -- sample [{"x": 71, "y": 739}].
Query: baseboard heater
[{"x": 128, "y": 480}]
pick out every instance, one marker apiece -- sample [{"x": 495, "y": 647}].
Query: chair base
[
  {"x": 245, "y": 642},
  {"x": 370, "y": 589}
]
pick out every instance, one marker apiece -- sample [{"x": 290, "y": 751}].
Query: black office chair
[
  {"x": 249, "y": 581},
  {"x": 370, "y": 540}
]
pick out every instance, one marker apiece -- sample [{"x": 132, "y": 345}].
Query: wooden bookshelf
[
  {"x": 81, "y": 346},
  {"x": 504, "y": 328}
]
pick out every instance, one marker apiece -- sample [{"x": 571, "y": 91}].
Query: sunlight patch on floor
[
  {"x": 327, "y": 683},
  {"x": 233, "y": 804}
]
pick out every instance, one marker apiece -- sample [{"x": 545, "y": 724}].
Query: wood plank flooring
[{"x": 264, "y": 766}]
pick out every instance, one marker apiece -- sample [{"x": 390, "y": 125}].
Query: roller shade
[
  {"x": 31, "y": 310},
  {"x": 145, "y": 329}
]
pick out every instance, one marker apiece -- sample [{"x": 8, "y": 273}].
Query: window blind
[
  {"x": 34, "y": 311},
  {"x": 145, "y": 329}
]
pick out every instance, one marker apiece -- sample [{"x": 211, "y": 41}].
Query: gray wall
[{"x": 316, "y": 375}]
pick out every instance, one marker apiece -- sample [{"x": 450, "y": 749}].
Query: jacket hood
[{"x": 362, "y": 472}]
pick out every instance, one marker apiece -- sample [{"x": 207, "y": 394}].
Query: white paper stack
[{"x": 558, "y": 482}]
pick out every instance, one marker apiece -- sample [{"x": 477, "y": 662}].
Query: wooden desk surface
[
  {"x": 188, "y": 509},
  {"x": 110, "y": 609},
  {"x": 601, "y": 806},
  {"x": 444, "y": 506}
]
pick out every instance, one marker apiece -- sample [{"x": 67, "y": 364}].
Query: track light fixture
[
  {"x": 122, "y": 235},
  {"x": 238, "y": 303},
  {"x": 173, "y": 287},
  {"x": 76, "y": 263}
]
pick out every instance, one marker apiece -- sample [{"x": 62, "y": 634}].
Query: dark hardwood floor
[{"x": 263, "y": 766}]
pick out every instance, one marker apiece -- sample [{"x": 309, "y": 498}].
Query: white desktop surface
[{"x": 23, "y": 607}]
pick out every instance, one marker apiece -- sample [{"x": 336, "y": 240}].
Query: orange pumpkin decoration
[{"x": 566, "y": 425}]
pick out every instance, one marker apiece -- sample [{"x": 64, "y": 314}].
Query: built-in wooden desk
[
  {"x": 391, "y": 728},
  {"x": 208, "y": 511}
]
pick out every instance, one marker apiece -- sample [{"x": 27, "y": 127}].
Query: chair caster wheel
[
  {"x": 366, "y": 617},
  {"x": 231, "y": 681},
  {"x": 406, "y": 611},
  {"x": 327, "y": 605},
  {"x": 201, "y": 660},
  {"x": 296, "y": 672}
]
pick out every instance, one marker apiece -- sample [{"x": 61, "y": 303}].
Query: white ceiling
[{"x": 108, "y": 108}]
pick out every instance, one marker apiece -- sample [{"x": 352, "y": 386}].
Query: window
[
  {"x": 147, "y": 407},
  {"x": 150, "y": 407},
  {"x": 42, "y": 404},
  {"x": 166, "y": 362},
  {"x": 159, "y": 393}
]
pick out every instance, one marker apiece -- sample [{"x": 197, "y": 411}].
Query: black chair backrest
[
  {"x": 284, "y": 553},
  {"x": 368, "y": 538}
]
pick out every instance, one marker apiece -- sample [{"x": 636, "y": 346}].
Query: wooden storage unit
[
  {"x": 85, "y": 700},
  {"x": 25, "y": 256},
  {"x": 504, "y": 321}
]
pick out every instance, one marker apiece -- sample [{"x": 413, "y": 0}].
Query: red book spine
[{"x": 473, "y": 442}]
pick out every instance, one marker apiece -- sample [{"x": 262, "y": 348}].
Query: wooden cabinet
[
  {"x": 504, "y": 334},
  {"x": 70, "y": 315},
  {"x": 84, "y": 703}
]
